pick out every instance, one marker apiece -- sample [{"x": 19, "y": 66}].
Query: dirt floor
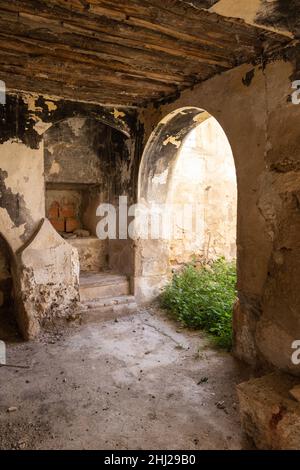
[{"x": 140, "y": 382}]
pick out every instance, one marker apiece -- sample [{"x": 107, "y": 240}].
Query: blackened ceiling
[{"x": 125, "y": 52}]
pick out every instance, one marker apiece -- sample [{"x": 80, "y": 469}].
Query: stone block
[
  {"x": 92, "y": 253},
  {"x": 48, "y": 280},
  {"x": 270, "y": 415}
]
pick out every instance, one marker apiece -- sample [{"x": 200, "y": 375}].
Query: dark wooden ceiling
[{"x": 121, "y": 52}]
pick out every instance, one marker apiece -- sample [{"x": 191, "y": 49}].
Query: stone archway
[{"x": 159, "y": 169}]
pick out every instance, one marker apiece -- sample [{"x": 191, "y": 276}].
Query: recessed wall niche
[{"x": 75, "y": 185}]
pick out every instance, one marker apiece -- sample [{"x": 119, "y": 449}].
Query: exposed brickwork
[
  {"x": 67, "y": 210},
  {"x": 58, "y": 224},
  {"x": 72, "y": 224},
  {"x": 63, "y": 217},
  {"x": 53, "y": 212}
]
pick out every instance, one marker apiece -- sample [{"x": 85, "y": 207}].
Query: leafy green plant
[{"x": 202, "y": 297}]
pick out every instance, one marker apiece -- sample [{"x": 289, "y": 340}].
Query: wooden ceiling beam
[
  {"x": 131, "y": 51},
  {"x": 29, "y": 25}
]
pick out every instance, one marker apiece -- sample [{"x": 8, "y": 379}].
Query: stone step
[
  {"x": 94, "y": 286},
  {"x": 108, "y": 308}
]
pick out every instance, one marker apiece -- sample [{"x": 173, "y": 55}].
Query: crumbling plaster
[{"x": 74, "y": 151}]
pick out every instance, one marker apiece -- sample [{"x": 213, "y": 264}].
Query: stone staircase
[{"x": 105, "y": 296}]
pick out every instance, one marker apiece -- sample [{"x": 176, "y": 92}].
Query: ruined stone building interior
[{"x": 153, "y": 103}]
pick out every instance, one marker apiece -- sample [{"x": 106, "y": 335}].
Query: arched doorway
[{"x": 187, "y": 169}]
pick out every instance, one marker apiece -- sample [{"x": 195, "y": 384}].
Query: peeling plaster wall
[
  {"x": 22, "y": 191},
  {"x": 204, "y": 176},
  {"x": 74, "y": 149},
  {"x": 24, "y": 120},
  {"x": 254, "y": 108}
]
